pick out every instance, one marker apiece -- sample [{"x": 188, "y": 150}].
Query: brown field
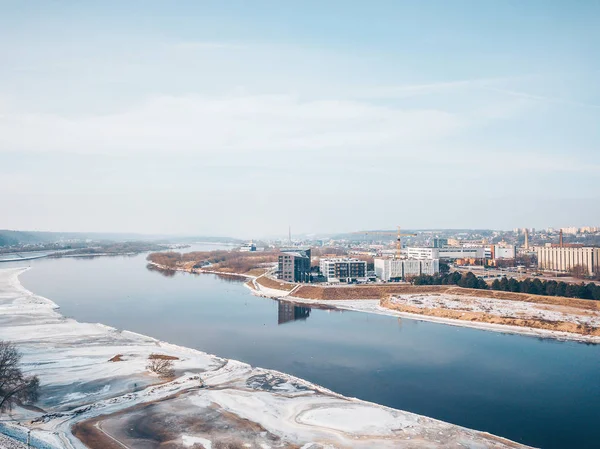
[
  {"x": 162, "y": 357},
  {"x": 256, "y": 272},
  {"x": 360, "y": 291},
  {"x": 480, "y": 317},
  {"x": 275, "y": 284},
  {"x": 384, "y": 291}
]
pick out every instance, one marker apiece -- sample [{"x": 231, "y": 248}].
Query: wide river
[{"x": 539, "y": 392}]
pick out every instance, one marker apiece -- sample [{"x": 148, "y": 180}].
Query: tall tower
[
  {"x": 526, "y": 238},
  {"x": 560, "y": 239},
  {"x": 290, "y": 234}
]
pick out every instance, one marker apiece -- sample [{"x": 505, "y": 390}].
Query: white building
[
  {"x": 248, "y": 247},
  {"x": 422, "y": 253},
  {"x": 343, "y": 269},
  {"x": 450, "y": 252},
  {"x": 460, "y": 252},
  {"x": 503, "y": 252},
  {"x": 386, "y": 269},
  {"x": 556, "y": 258}
]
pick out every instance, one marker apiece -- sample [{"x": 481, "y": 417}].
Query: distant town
[{"x": 570, "y": 254}]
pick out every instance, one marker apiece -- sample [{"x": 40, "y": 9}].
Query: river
[{"x": 539, "y": 392}]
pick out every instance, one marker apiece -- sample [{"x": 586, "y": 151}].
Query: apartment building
[
  {"x": 388, "y": 269},
  {"x": 343, "y": 269},
  {"x": 294, "y": 265}
]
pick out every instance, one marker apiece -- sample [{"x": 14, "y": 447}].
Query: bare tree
[
  {"x": 162, "y": 367},
  {"x": 578, "y": 271},
  {"x": 15, "y": 388}
]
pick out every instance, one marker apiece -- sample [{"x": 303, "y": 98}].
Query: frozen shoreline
[
  {"x": 373, "y": 306},
  {"x": 79, "y": 384}
]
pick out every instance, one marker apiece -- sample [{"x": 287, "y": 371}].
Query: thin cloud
[
  {"x": 229, "y": 124},
  {"x": 542, "y": 98},
  {"x": 206, "y": 45},
  {"x": 409, "y": 90}
]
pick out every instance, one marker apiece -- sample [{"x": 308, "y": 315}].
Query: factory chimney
[
  {"x": 560, "y": 239},
  {"x": 526, "y": 238}
]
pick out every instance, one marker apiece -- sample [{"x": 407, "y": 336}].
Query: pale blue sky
[{"x": 240, "y": 118}]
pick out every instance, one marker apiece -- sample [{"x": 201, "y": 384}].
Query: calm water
[{"x": 539, "y": 392}]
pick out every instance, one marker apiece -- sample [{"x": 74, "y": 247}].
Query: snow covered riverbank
[
  {"x": 498, "y": 307},
  {"x": 211, "y": 400}
]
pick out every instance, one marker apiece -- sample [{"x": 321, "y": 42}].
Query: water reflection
[
  {"x": 231, "y": 278},
  {"x": 165, "y": 272},
  {"x": 288, "y": 311}
]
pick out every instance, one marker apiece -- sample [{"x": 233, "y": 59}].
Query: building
[
  {"x": 449, "y": 252},
  {"x": 570, "y": 230},
  {"x": 502, "y": 251},
  {"x": 343, "y": 269},
  {"x": 248, "y": 247},
  {"x": 440, "y": 243},
  {"x": 589, "y": 230},
  {"x": 461, "y": 252},
  {"x": 294, "y": 265},
  {"x": 388, "y": 269},
  {"x": 422, "y": 253},
  {"x": 564, "y": 258}
]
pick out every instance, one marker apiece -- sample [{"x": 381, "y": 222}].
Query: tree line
[
  {"x": 529, "y": 286},
  {"x": 228, "y": 261}
]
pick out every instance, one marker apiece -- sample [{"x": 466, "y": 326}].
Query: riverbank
[
  {"x": 517, "y": 313},
  {"x": 210, "y": 401}
]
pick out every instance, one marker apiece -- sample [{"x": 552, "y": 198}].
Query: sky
[{"x": 242, "y": 118}]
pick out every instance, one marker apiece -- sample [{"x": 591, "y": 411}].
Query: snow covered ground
[
  {"x": 211, "y": 402},
  {"x": 500, "y": 307}
]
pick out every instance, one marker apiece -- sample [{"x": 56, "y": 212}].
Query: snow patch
[
  {"x": 189, "y": 441},
  {"x": 355, "y": 418}
]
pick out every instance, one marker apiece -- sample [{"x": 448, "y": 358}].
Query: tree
[
  {"x": 594, "y": 291},
  {"x": 572, "y": 290},
  {"x": 550, "y": 288},
  {"x": 444, "y": 268},
  {"x": 468, "y": 281},
  {"x": 578, "y": 272},
  {"x": 15, "y": 388},
  {"x": 161, "y": 366},
  {"x": 561, "y": 288},
  {"x": 481, "y": 284},
  {"x": 537, "y": 287},
  {"x": 496, "y": 285},
  {"x": 514, "y": 285},
  {"x": 454, "y": 278}
]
